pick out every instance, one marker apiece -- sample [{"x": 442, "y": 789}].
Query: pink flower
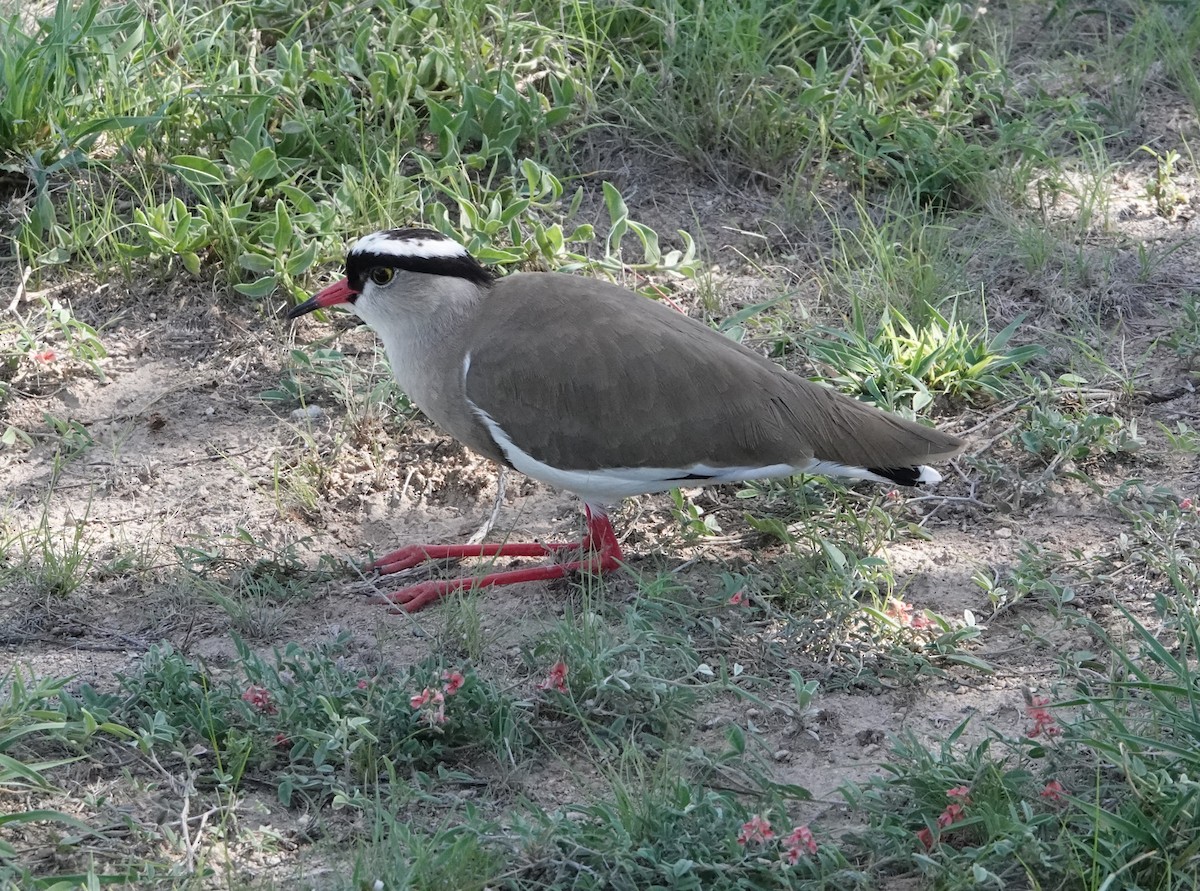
[
  {"x": 45, "y": 356},
  {"x": 738, "y": 599},
  {"x": 952, "y": 814},
  {"x": 1043, "y": 722},
  {"x": 557, "y": 679},
  {"x": 363, "y": 683},
  {"x": 1054, "y": 791},
  {"x": 435, "y": 715},
  {"x": 899, "y": 612},
  {"x": 282, "y": 741},
  {"x": 948, "y": 817},
  {"x": 791, "y": 856},
  {"x": 453, "y": 682},
  {"x": 260, "y": 699},
  {"x": 755, "y": 830},
  {"x": 802, "y": 840},
  {"x": 893, "y": 495},
  {"x": 902, "y": 614},
  {"x": 963, "y": 792},
  {"x": 1186, "y": 504}
]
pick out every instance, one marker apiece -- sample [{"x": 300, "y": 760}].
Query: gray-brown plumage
[
  {"x": 590, "y": 387},
  {"x": 623, "y": 381}
]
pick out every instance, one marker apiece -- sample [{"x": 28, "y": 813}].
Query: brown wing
[{"x": 585, "y": 375}]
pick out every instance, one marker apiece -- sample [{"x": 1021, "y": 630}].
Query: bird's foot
[{"x": 599, "y": 553}]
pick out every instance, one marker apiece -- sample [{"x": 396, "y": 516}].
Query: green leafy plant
[
  {"x": 1058, "y": 436},
  {"x": 1183, "y": 438},
  {"x": 904, "y": 365},
  {"x": 692, "y": 518},
  {"x": 1038, "y": 574},
  {"x": 1162, "y": 189}
]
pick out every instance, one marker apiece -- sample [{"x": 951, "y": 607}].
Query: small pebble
[
  {"x": 309, "y": 412},
  {"x": 1003, "y": 532},
  {"x": 782, "y": 755}
]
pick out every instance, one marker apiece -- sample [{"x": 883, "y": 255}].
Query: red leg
[
  {"x": 599, "y": 550},
  {"x": 415, "y": 555}
]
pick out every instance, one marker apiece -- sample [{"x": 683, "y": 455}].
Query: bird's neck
[{"x": 424, "y": 348}]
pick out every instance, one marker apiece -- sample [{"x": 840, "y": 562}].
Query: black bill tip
[{"x": 304, "y": 308}]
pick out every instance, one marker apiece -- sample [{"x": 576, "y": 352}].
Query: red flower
[
  {"x": 738, "y": 599},
  {"x": 260, "y": 699},
  {"x": 952, "y": 814},
  {"x": 757, "y": 830},
  {"x": 417, "y": 700},
  {"x": 282, "y": 741},
  {"x": 1054, "y": 791},
  {"x": 557, "y": 679},
  {"x": 453, "y": 682}
]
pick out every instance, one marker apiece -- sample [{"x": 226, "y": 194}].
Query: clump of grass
[
  {"x": 215, "y": 162},
  {"x": 861, "y": 91},
  {"x": 904, "y": 365},
  {"x": 631, "y": 680},
  {"x": 45, "y": 561},
  {"x": 32, "y": 720}
]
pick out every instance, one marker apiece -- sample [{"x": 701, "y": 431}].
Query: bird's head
[{"x": 398, "y": 274}]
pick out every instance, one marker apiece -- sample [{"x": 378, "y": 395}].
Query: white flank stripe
[
  {"x": 430, "y": 248},
  {"x": 829, "y": 468}
]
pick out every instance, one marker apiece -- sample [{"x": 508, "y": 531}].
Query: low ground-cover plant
[{"x": 317, "y": 728}]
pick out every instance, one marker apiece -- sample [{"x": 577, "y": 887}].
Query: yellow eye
[{"x": 381, "y": 275}]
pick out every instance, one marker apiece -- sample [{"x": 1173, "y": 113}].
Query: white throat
[{"x": 421, "y": 321}]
